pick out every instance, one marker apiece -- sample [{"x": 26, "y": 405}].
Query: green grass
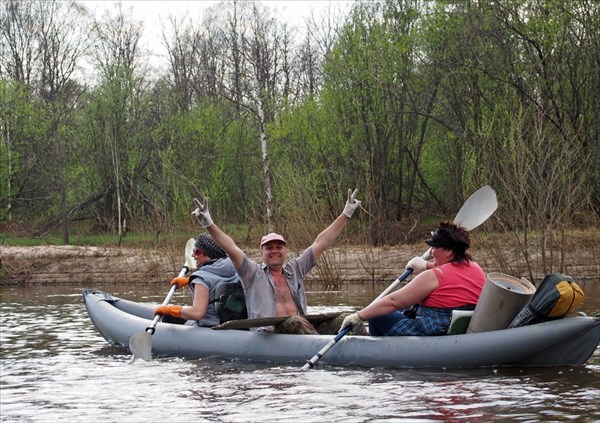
[
  {"x": 81, "y": 237},
  {"x": 129, "y": 240}
]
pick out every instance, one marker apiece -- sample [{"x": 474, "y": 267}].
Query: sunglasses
[{"x": 197, "y": 251}]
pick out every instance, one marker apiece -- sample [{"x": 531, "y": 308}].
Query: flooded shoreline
[{"x": 64, "y": 265}]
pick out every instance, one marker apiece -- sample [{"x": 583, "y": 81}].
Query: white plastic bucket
[{"x": 501, "y": 299}]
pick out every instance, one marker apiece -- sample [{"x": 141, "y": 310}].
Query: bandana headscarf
[{"x": 209, "y": 247}]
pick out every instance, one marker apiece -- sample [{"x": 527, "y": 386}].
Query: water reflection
[{"x": 54, "y": 366}]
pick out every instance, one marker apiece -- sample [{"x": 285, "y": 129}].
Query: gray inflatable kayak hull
[{"x": 569, "y": 341}]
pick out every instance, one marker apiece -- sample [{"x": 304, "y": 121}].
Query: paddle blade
[
  {"x": 477, "y": 209},
  {"x": 140, "y": 346},
  {"x": 189, "y": 247}
]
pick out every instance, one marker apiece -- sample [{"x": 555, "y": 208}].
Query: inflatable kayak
[{"x": 567, "y": 341}]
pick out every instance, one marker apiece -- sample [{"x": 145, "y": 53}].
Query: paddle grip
[
  {"x": 389, "y": 289},
  {"x": 311, "y": 363},
  {"x": 151, "y": 328}
]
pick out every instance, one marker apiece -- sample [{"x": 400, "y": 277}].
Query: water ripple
[{"x": 55, "y": 367}]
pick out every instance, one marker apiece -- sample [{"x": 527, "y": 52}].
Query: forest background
[{"x": 415, "y": 103}]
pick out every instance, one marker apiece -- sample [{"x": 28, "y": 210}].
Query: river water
[{"x": 55, "y": 367}]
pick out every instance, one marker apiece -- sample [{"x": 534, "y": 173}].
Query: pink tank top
[{"x": 459, "y": 284}]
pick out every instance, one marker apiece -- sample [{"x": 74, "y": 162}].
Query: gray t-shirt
[
  {"x": 259, "y": 287},
  {"x": 210, "y": 275}
]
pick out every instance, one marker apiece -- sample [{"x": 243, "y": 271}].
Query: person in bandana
[
  {"x": 453, "y": 281},
  {"x": 213, "y": 268}
]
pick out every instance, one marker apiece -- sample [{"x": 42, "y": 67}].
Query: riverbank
[
  {"x": 48, "y": 264},
  {"x": 85, "y": 265}
]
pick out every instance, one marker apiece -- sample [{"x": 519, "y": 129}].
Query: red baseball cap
[{"x": 272, "y": 237}]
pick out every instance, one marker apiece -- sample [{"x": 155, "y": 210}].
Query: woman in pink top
[{"x": 424, "y": 305}]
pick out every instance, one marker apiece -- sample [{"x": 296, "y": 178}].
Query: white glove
[
  {"x": 351, "y": 204},
  {"x": 417, "y": 264},
  {"x": 202, "y": 214},
  {"x": 351, "y": 320}
]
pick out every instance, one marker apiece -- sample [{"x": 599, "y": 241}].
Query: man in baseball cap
[
  {"x": 276, "y": 287},
  {"x": 272, "y": 237}
]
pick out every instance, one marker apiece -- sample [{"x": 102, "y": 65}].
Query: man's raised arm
[
  {"x": 328, "y": 236},
  {"x": 203, "y": 217}
]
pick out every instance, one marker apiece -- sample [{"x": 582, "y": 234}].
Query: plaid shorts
[{"x": 429, "y": 321}]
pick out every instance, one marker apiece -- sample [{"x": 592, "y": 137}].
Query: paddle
[
  {"x": 315, "y": 319},
  {"x": 140, "y": 344},
  {"x": 476, "y": 210}
]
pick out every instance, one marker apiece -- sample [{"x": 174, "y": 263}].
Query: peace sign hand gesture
[{"x": 202, "y": 214}]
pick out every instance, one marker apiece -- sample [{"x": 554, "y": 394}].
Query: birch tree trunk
[
  {"x": 115, "y": 162},
  {"x": 265, "y": 159}
]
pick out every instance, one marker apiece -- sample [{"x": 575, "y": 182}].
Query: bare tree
[
  {"x": 197, "y": 59},
  {"x": 62, "y": 40},
  {"x": 117, "y": 54},
  {"x": 18, "y": 42},
  {"x": 321, "y": 35},
  {"x": 235, "y": 35},
  {"x": 117, "y": 37},
  {"x": 18, "y": 55},
  {"x": 182, "y": 48}
]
